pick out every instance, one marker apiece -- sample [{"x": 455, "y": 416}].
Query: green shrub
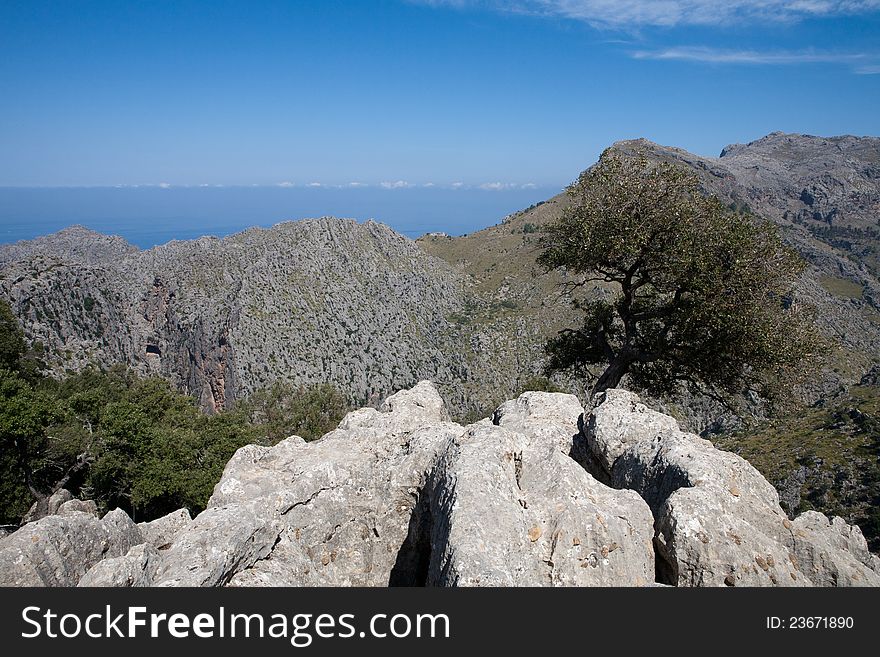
[{"x": 130, "y": 442}]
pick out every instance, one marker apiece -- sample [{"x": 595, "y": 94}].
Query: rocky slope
[
  {"x": 824, "y": 458},
  {"x": 823, "y": 193},
  {"x": 536, "y": 495},
  {"x": 364, "y": 308},
  {"x": 320, "y": 301}
]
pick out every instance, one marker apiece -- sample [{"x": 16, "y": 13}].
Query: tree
[
  {"x": 25, "y": 413},
  {"x": 283, "y": 409},
  {"x": 12, "y": 344},
  {"x": 129, "y": 442},
  {"x": 686, "y": 291}
]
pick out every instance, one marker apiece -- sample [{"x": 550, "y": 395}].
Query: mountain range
[{"x": 364, "y": 308}]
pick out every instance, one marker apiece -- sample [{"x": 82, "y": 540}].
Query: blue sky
[{"x": 414, "y": 93}]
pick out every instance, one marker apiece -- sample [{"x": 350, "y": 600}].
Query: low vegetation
[
  {"x": 130, "y": 442},
  {"x": 825, "y": 458}
]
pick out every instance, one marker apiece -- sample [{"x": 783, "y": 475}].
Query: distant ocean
[{"x": 146, "y": 216}]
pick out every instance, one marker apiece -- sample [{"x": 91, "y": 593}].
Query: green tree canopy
[
  {"x": 283, "y": 409},
  {"x": 684, "y": 289},
  {"x": 136, "y": 443},
  {"x": 12, "y": 344}
]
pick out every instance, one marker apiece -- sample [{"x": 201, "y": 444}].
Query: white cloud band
[{"x": 667, "y": 13}]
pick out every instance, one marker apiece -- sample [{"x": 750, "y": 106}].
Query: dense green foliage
[
  {"x": 685, "y": 290},
  {"x": 131, "y": 442},
  {"x": 25, "y": 414},
  {"x": 12, "y": 346},
  {"x": 282, "y": 410}
]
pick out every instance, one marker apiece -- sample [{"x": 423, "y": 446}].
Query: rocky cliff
[{"x": 540, "y": 494}]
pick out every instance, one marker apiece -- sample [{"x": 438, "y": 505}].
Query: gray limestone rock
[
  {"x": 832, "y": 553},
  {"x": 137, "y": 568},
  {"x": 620, "y": 419},
  {"x": 58, "y": 550},
  {"x": 333, "y": 512},
  {"x": 400, "y": 496},
  {"x": 160, "y": 533},
  {"x": 718, "y": 521},
  {"x": 47, "y": 506},
  {"x": 78, "y": 506}
]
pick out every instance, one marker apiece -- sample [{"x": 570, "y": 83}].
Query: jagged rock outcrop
[
  {"x": 78, "y": 506},
  {"x": 47, "y": 506},
  {"x": 831, "y": 552},
  {"x": 824, "y": 195},
  {"x": 137, "y": 568},
  {"x": 59, "y": 549},
  {"x": 403, "y": 496},
  {"x": 314, "y": 301},
  {"x": 160, "y": 533},
  {"x": 336, "y": 511},
  {"x": 510, "y": 507},
  {"x": 718, "y": 521}
]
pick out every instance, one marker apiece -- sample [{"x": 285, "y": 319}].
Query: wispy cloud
[
  {"x": 495, "y": 186},
  {"x": 397, "y": 184},
  {"x": 767, "y": 57},
  {"x": 502, "y": 186},
  {"x": 667, "y": 13}
]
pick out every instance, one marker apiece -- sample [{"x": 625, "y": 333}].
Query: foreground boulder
[
  {"x": 718, "y": 521},
  {"x": 160, "y": 533},
  {"x": 333, "y": 512},
  {"x": 402, "y": 496},
  {"x": 536, "y": 495},
  {"x": 58, "y": 550},
  {"x": 831, "y": 552},
  {"x": 510, "y": 507},
  {"x": 136, "y": 568}
]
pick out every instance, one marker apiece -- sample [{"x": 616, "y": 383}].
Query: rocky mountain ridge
[
  {"x": 325, "y": 300},
  {"x": 839, "y": 281},
  {"x": 366, "y": 309},
  {"x": 540, "y": 494}
]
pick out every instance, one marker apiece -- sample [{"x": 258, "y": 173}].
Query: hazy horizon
[{"x": 148, "y": 216}]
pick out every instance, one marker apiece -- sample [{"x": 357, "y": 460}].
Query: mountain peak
[{"x": 790, "y": 145}]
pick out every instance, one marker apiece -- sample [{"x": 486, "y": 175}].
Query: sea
[{"x": 147, "y": 216}]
